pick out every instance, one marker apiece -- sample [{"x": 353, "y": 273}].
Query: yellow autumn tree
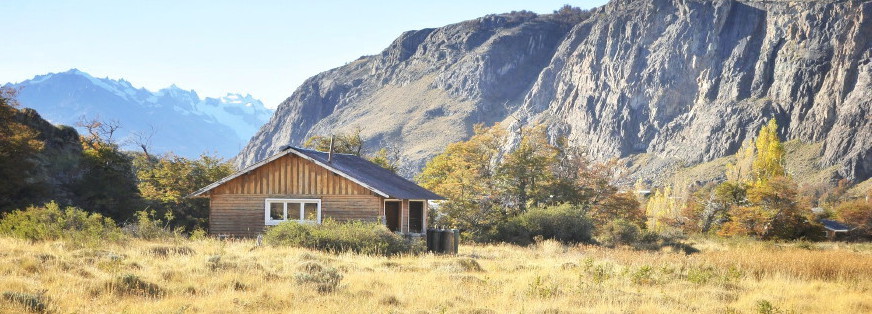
[
  {"x": 662, "y": 209},
  {"x": 769, "y": 161},
  {"x": 464, "y": 174},
  {"x": 741, "y": 170},
  {"x": 771, "y": 208}
]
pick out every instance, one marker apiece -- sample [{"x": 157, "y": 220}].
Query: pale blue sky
[{"x": 265, "y": 48}]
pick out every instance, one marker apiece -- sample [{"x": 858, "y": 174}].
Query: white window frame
[{"x": 289, "y": 204}]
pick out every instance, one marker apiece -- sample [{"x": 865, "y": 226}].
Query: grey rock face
[
  {"x": 424, "y": 91},
  {"x": 683, "y": 80},
  {"x": 690, "y": 80}
]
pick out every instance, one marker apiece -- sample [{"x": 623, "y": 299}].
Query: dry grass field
[{"x": 212, "y": 276}]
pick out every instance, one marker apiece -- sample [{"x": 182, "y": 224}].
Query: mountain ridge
[
  {"x": 684, "y": 81},
  {"x": 175, "y": 116}
]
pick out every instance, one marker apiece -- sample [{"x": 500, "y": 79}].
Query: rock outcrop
[
  {"x": 684, "y": 81},
  {"x": 426, "y": 90}
]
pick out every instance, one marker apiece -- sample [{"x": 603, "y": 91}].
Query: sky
[{"x": 263, "y": 48}]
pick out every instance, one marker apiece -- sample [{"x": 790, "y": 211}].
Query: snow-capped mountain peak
[{"x": 185, "y": 123}]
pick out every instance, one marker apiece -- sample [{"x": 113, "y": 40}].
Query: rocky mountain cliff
[
  {"x": 178, "y": 120},
  {"x": 680, "y": 81}
]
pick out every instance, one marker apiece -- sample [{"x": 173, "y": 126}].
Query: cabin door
[
  {"x": 392, "y": 215},
  {"x": 416, "y": 216}
]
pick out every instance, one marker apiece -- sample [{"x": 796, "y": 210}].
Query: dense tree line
[
  {"x": 492, "y": 191},
  {"x": 500, "y": 186},
  {"x": 489, "y": 190},
  {"x": 759, "y": 199},
  {"x": 41, "y": 163}
]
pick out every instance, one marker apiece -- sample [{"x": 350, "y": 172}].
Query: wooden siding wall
[
  {"x": 237, "y": 206},
  {"x": 243, "y": 215},
  {"x": 291, "y": 174}
]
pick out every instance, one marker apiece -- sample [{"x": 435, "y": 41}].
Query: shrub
[
  {"x": 164, "y": 251},
  {"x": 461, "y": 265},
  {"x": 50, "y": 222},
  {"x": 564, "y": 223},
  {"x": 620, "y": 232},
  {"x": 149, "y": 227},
  {"x": 643, "y": 276},
  {"x": 31, "y": 302},
  {"x": 323, "y": 278},
  {"x": 543, "y": 288},
  {"x": 133, "y": 285},
  {"x": 331, "y": 236},
  {"x": 198, "y": 234}
]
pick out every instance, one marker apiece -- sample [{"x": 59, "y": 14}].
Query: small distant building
[
  {"x": 308, "y": 186},
  {"x": 834, "y": 227}
]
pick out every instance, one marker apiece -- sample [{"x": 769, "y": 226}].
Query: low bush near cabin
[
  {"x": 564, "y": 223},
  {"x": 50, "y": 222},
  {"x": 336, "y": 237},
  {"x": 149, "y": 227}
]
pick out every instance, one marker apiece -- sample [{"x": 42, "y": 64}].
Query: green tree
[
  {"x": 523, "y": 175},
  {"x": 108, "y": 181},
  {"x": 19, "y": 147},
  {"x": 387, "y": 158},
  {"x": 165, "y": 181},
  {"x": 344, "y": 143},
  {"x": 486, "y": 187},
  {"x": 464, "y": 174},
  {"x": 577, "y": 180}
]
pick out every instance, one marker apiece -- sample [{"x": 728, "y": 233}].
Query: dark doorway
[
  {"x": 416, "y": 217},
  {"x": 392, "y": 215}
]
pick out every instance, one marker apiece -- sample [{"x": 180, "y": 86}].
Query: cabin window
[{"x": 278, "y": 210}]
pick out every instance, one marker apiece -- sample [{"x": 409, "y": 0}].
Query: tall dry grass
[{"x": 211, "y": 276}]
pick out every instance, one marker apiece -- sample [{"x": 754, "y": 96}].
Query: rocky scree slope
[{"x": 680, "y": 81}]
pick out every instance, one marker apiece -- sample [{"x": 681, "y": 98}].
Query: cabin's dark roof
[
  {"x": 357, "y": 169},
  {"x": 836, "y": 226},
  {"x": 371, "y": 175}
]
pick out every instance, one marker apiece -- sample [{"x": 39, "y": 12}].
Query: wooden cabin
[
  {"x": 833, "y": 228},
  {"x": 310, "y": 186}
]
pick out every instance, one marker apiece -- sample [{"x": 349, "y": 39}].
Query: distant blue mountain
[{"x": 180, "y": 121}]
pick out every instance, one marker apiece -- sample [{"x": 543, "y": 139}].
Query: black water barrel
[
  {"x": 437, "y": 241},
  {"x": 456, "y": 233},
  {"x": 447, "y": 241}
]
